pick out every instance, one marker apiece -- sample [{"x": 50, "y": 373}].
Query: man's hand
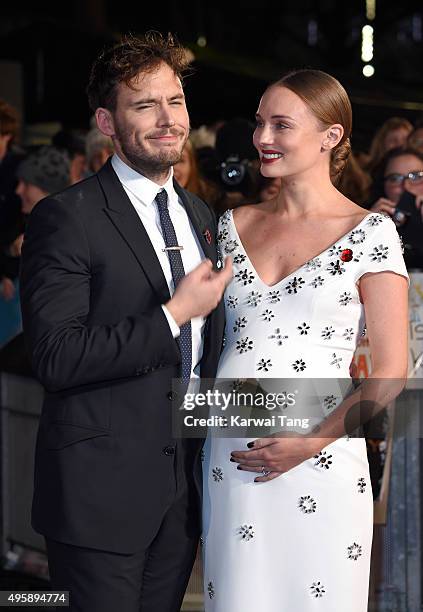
[{"x": 199, "y": 292}]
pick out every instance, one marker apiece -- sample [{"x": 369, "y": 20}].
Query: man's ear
[
  {"x": 332, "y": 137},
  {"x": 105, "y": 123}
]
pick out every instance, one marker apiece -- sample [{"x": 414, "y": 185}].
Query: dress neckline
[{"x": 283, "y": 279}]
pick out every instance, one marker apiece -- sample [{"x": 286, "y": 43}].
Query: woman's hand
[
  {"x": 277, "y": 455},
  {"x": 383, "y": 205}
]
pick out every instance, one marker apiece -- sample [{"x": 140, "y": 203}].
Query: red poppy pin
[
  {"x": 346, "y": 255},
  {"x": 207, "y": 235}
]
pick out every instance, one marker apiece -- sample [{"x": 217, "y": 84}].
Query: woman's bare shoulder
[{"x": 248, "y": 213}]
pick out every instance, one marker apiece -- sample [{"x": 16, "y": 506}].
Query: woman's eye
[{"x": 281, "y": 126}]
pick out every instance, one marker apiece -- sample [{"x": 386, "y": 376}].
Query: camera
[
  {"x": 233, "y": 170},
  {"x": 400, "y": 217}
]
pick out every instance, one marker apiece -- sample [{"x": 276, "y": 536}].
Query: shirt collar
[{"x": 139, "y": 185}]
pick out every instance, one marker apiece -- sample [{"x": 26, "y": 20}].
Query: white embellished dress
[{"x": 301, "y": 542}]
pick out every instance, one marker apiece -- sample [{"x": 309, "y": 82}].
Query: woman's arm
[{"x": 384, "y": 295}]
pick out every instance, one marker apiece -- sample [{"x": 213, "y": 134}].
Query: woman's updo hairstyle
[{"x": 329, "y": 103}]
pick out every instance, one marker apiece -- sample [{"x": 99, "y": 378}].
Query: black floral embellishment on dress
[
  {"x": 267, "y": 315},
  {"x": 354, "y": 551},
  {"x": 348, "y": 333},
  {"x": 335, "y": 267},
  {"x": 299, "y": 365},
  {"x": 375, "y": 219},
  {"x": 361, "y": 484},
  {"x": 232, "y": 301},
  {"x": 328, "y": 332},
  {"x": 230, "y": 246},
  {"x": 274, "y": 296},
  {"x": 246, "y": 532},
  {"x": 254, "y": 298},
  {"x": 244, "y": 345},
  {"x": 210, "y": 590},
  {"x": 336, "y": 361},
  {"x": 307, "y": 504},
  {"x": 313, "y": 264},
  {"x": 264, "y": 364},
  {"x": 239, "y": 324},
  {"x": 223, "y": 235},
  {"x": 294, "y": 285},
  {"x": 245, "y": 277},
  {"x": 345, "y": 298},
  {"x": 278, "y": 337},
  {"x": 224, "y": 219},
  {"x": 358, "y": 256},
  {"x": 329, "y": 401},
  {"x": 303, "y": 329},
  {"x": 379, "y": 253},
  {"x": 317, "y": 282},
  {"x": 237, "y": 385},
  {"x": 357, "y": 236},
  {"x": 217, "y": 474},
  {"x": 401, "y": 244},
  {"x": 323, "y": 460},
  {"x": 317, "y": 589},
  {"x": 335, "y": 250},
  {"x": 239, "y": 258}
]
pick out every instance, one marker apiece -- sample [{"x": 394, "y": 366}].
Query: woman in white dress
[{"x": 288, "y": 521}]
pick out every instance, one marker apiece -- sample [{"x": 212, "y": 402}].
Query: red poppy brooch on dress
[
  {"x": 346, "y": 255},
  {"x": 207, "y": 235}
]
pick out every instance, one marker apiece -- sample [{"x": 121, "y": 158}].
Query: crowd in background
[{"x": 219, "y": 164}]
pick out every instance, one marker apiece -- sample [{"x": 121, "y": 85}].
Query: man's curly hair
[{"x": 125, "y": 60}]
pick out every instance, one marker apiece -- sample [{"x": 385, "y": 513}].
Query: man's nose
[{"x": 166, "y": 116}]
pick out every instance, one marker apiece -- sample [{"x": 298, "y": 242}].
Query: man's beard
[{"x": 146, "y": 162}]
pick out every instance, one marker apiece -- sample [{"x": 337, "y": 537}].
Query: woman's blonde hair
[{"x": 329, "y": 103}]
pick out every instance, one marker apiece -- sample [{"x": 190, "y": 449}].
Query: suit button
[
  {"x": 172, "y": 395},
  {"x": 169, "y": 450}
]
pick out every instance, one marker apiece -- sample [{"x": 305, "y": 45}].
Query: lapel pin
[{"x": 207, "y": 235}]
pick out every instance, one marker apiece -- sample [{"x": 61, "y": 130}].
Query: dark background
[{"x": 248, "y": 45}]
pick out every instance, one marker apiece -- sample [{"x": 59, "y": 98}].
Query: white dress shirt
[{"x": 142, "y": 192}]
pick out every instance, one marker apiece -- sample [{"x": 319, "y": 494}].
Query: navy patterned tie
[{"x": 178, "y": 272}]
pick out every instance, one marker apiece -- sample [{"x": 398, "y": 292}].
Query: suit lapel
[
  {"x": 126, "y": 220},
  {"x": 200, "y": 227}
]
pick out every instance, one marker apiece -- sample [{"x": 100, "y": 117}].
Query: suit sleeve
[{"x": 55, "y": 298}]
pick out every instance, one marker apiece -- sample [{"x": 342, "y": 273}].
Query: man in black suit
[{"x": 113, "y": 310}]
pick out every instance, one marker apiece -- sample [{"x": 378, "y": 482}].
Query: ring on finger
[{"x": 265, "y": 471}]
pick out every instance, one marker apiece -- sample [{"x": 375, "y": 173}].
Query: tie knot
[{"x": 161, "y": 199}]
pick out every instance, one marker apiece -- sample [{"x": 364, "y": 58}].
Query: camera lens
[
  {"x": 232, "y": 173},
  {"x": 399, "y": 217}
]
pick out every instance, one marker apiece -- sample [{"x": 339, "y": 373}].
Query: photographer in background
[
  {"x": 237, "y": 171},
  {"x": 398, "y": 191}
]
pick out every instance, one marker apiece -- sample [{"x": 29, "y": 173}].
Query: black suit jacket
[{"x": 91, "y": 293}]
